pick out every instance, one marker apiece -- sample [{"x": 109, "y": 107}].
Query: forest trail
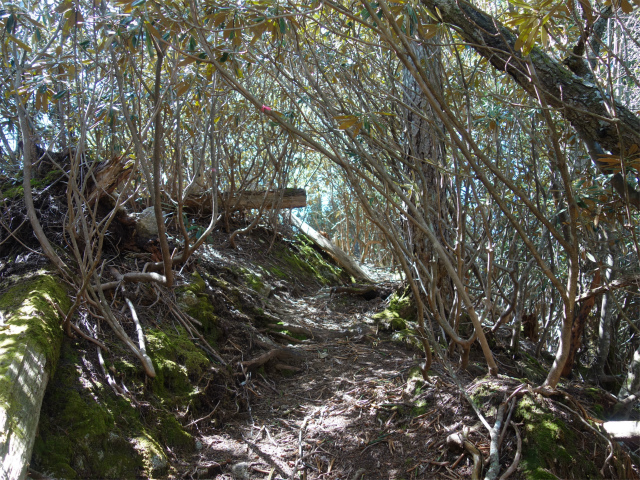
[{"x": 351, "y": 413}]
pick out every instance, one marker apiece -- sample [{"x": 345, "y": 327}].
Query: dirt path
[{"x": 349, "y": 414}]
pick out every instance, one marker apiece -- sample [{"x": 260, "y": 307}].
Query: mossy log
[
  {"x": 30, "y": 343},
  {"x": 340, "y": 256}
]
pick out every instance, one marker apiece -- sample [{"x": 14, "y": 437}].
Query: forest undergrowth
[{"x": 266, "y": 372}]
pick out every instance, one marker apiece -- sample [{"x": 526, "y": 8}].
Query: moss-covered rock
[
  {"x": 154, "y": 460},
  {"x": 399, "y": 314}
]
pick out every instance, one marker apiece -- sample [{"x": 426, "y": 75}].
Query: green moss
[
  {"x": 216, "y": 281},
  {"x": 177, "y": 361},
  {"x": 306, "y": 262},
  {"x": 415, "y": 382},
  {"x": 531, "y": 369},
  {"x": 419, "y": 408},
  {"x": 15, "y": 189},
  {"x": 482, "y": 393},
  {"x": 550, "y": 448},
  {"x": 154, "y": 459},
  {"x": 28, "y": 306},
  {"x": 78, "y": 436},
  {"x": 86, "y": 431},
  {"x": 278, "y": 272},
  {"x": 298, "y": 336},
  {"x": 400, "y": 311},
  {"x": 254, "y": 282},
  {"x": 193, "y": 300},
  {"x": 173, "y": 435},
  {"x": 13, "y": 192},
  {"x": 50, "y": 177}
]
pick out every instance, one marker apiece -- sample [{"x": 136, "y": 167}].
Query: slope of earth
[{"x": 265, "y": 372}]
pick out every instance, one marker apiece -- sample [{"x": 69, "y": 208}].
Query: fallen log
[
  {"x": 30, "y": 341},
  {"x": 246, "y": 200},
  {"x": 623, "y": 430},
  {"x": 340, "y": 256}
]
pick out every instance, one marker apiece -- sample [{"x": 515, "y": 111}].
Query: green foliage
[{"x": 537, "y": 20}]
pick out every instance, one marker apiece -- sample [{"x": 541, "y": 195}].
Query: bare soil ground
[
  {"x": 358, "y": 410},
  {"x": 349, "y": 414},
  {"x": 353, "y": 411}
]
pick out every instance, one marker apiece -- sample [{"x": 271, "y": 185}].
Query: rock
[
  {"x": 241, "y": 470},
  {"x": 146, "y": 226}
]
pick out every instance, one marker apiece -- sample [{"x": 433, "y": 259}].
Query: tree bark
[
  {"x": 424, "y": 155},
  {"x": 606, "y": 310},
  {"x": 578, "y": 327}
]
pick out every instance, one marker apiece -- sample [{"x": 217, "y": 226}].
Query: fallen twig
[
  {"x": 494, "y": 452},
  {"x": 274, "y": 354},
  {"x": 205, "y": 417},
  {"x": 134, "y": 316}
]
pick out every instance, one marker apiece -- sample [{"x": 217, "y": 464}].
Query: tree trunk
[
  {"x": 558, "y": 86},
  {"x": 425, "y": 152},
  {"x": 604, "y": 327},
  {"x": 578, "y": 327},
  {"x": 29, "y": 345}
]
